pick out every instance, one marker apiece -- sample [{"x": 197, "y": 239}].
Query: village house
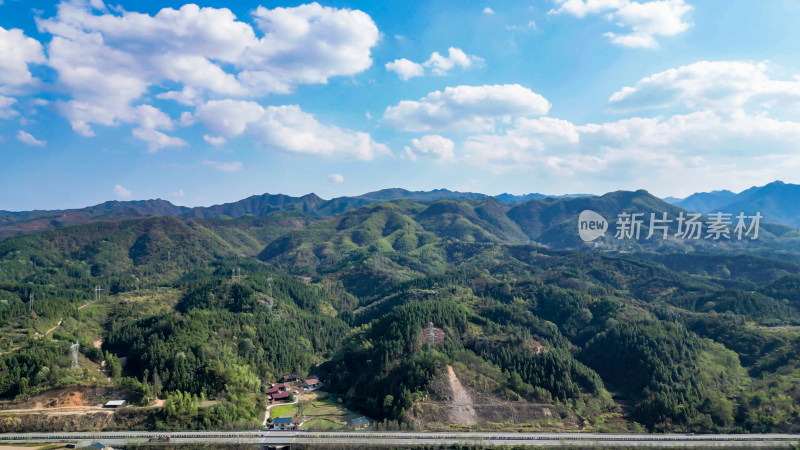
[
  {"x": 279, "y": 396},
  {"x": 284, "y": 423},
  {"x": 359, "y": 422},
  {"x": 312, "y": 384},
  {"x": 278, "y": 388},
  {"x": 290, "y": 378}
]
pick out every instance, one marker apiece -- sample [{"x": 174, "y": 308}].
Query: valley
[{"x": 190, "y": 320}]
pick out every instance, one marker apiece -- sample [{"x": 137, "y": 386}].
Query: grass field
[
  {"x": 283, "y": 411},
  {"x": 322, "y": 425},
  {"x": 322, "y": 412},
  {"x": 322, "y": 408}
]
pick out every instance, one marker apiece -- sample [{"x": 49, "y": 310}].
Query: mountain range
[
  {"x": 26, "y": 222},
  {"x": 778, "y": 202},
  {"x": 692, "y": 336}
]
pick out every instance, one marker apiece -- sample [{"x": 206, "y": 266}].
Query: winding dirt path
[{"x": 61, "y": 319}]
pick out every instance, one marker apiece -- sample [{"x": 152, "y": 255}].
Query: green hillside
[{"x": 530, "y": 333}]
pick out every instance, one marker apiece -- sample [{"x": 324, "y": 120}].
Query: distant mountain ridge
[
  {"x": 26, "y": 222},
  {"x": 778, "y": 202},
  {"x": 511, "y": 199}
]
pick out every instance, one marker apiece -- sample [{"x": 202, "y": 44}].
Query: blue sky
[{"x": 215, "y": 102}]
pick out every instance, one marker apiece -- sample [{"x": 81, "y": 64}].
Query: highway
[{"x": 415, "y": 438}]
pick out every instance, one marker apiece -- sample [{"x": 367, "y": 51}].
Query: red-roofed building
[
  {"x": 290, "y": 378},
  {"x": 280, "y": 396},
  {"x": 278, "y": 388}
]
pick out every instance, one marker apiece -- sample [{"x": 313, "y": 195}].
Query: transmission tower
[
  {"x": 30, "y": 302},
  {"x": 74, "y": 349},
  {"x": 97, "y": 290},
  {"x": 236, "y": 275}
]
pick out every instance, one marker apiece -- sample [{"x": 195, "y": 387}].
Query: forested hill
[
  {"x": 26, "y": 222},
  {"x": 535, "y": 331},
  {"x": 546, "y": 219}
]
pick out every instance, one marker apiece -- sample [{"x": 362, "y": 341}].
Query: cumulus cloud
[
  {"x": 436, "y": 64},
  {"x": 157, "y": 140},
  {"x": 432, "y": 146},
  {"x": 286, "y": 128},
  {"x": 405, "y": 69},
  {"x": 229, "y": 167},
  {"x": 488, "y": 11},
  {"x": 336, "y": 178},
  {"x": 28, "y": 139},
  {"x": 6, "y": 107},
  {"x": 718, "y": 85},
  {"x": 17, "y": 52},
  {"x": 645, "y": 20},
  {"x": 121, "y": 192},
  {"x": 634, "y": 147},
  {"x": 466, "y": 108},
  {"x": 214, "y": 140},
  {"x": 109, "y": 61},
  {"x": 725, "y": 130}
]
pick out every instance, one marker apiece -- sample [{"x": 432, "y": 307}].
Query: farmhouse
[
  {"x": 312, "y": 384},
  {"x": 284, "y": 423},
  {"x": 359, "y": 422},
  {"x": 290, "y": 378},
  {"x": 280, "y": 396},
  {"x": 278, "y": 388}
]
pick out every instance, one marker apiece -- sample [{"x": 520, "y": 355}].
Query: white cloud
[
  {"x": 488, "y": 11},
  {"x": 108, "y": 62},
  {"x": 440, "y": 65},
  {"x": 436, "y": 64},
  {"x": 336, "y": 178},
  {"x": 6, "y": 110},
  {"x": 179, "y": 193},
  {"x": 405, "y": 69},
  {"x": 719, "y": 85},
  {"x": 703, "y": 144},
  {"x": 229, "y": 167},
  {"x": 214, "y": 140},
  {"x": 646, "y": 20},
  {"x": 122, "y": 193},
  {"x": 432, "y": 146},
  {"x": 286, "y": 128},
  {"x": 157, "y": 140},
  {"x": 466, "y": 108},
  {"x": 580, "y": 8},
  {"x": 28, "y": 139},
  {"x": 311, "y": 43},
  {"x": 17, "y": 51},
  {"x": 530, "y": 25}
]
